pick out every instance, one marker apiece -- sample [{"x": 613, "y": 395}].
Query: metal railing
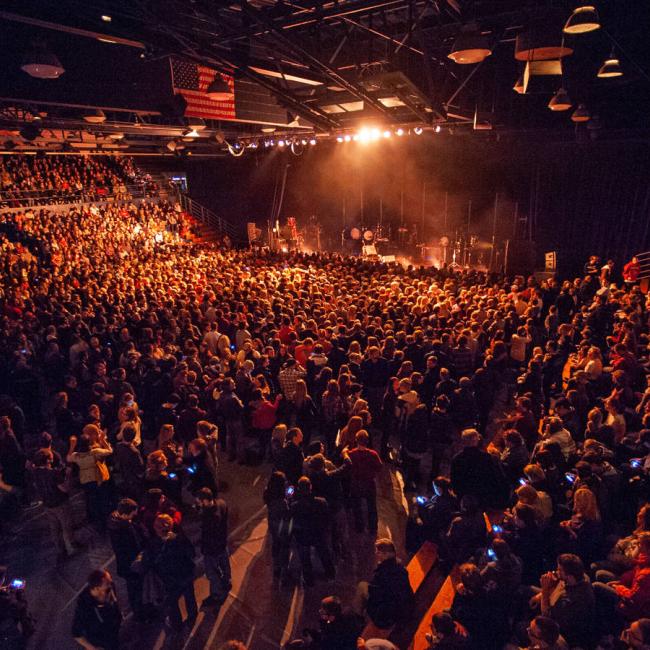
[
  {"x": 29, "y": 199},
  {"x": 209, "y": 218},
  {"x": 644, "y": 264}
]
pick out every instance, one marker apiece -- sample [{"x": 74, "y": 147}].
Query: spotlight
[
  {"x": 339, "y": 138},
  {"x": 106, "y": 18},
  {"x": 611, "y": 68},
  {"x": 219, "y": 90},
  {"x": 399, "y": 132},
  {"x": 355, "y": 137},
  {"x": 438, "y": 128},
  {"x": 281, "y": 143},
  {"x": 387, "y": 134},
  {"x": 347, "y": 138},
  {"x": 303, "y": 142},
  {"x": 272, "y": 143},
  {"x": 94, "y": 116},
  {"x": 312, "y": 142},
  {"x": 417, "y": 130},
  {"x": 39, "y": 62},
  {"x": 364, "y": 135},
  {"x": 375, "y": 134}
]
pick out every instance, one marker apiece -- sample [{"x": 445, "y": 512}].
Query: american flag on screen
[{"x": 191, "y": 80}]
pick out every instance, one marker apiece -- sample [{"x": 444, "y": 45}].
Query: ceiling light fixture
[
  {"x": 106, "y": 18},
  {"x": 281, "y": 143},
  {"x": 312, "y": 142},
  {"x": 190, "y": 133},
  {"x": 267, "y": 129},
  {"x": 347, "y": 138},
  {"x": 519, "y": 87},
  {"x": 40, "y": 63},
  {"x": 611, "y": 68},
  {"x": 196, "y": 123},
  {"x": 470, "y": 47},
  {"x": 399, "y": 132},
  {"x": 219, "y": 90},
  {"x": 339, "y": 138},
  {"x": 583, "y": 20},
  {"x": 94, "y": 116},
  {"x": 417, "y": 130},
  {"x": 438, "y": 128},
  {"x": 560, "y": 101},
  {"x": 116, "y": 136},
  {"x": 387, "y": 134},
  {"x": 581, "y": 114}
]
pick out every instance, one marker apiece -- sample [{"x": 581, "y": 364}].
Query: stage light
[
  {"x": 611, "y": 68},
  {"x": 438, "y": 128},
  {"x": 281, "y": 143},
  {"x": 303, "y": 142},
  {"x": 399, "y": 132},
  {"x": 347, "y": 138},
  {"x": 219, "y": 90},
  {"x": 339, "y": 138},
  {"x": 364, "y": 135},
  {"x": 560, "y": 101},
  {"x": 94, "y": 116},
  {"x": 375, "y": 134},
  {"x": 106, "y": 18},
  {"x": 583, "y": 19},
  {"x": 312, "y": 141},
  {"x": 417, "y": 130},
  {"x": 355, "y": 137},
  {"x": 387, "y": 134},
  {"x": 40, "y": 63}
]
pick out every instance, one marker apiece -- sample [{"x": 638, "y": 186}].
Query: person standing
[
  {"x": 48, "y": 483},
  {"x": 309, "y": 523},
  {"x": 126, "y": 541},
  {"x": 275, "y": 498},
  {"x": 364, "y": 469},
  {"x": 97, "y": 618},
  {"x": 171, "y": 556},
  {"x": 214, "y": 546}
]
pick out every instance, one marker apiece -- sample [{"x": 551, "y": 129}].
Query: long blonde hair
[{"x": 585, "y": 504}]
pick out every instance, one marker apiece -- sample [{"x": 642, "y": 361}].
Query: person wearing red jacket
[{"x": 364, "y": 469}]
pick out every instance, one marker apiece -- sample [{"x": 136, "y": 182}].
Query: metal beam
[{"x": 300, "y": 51}]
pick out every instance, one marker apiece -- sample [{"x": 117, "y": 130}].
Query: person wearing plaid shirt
[{"x": 288, "y": 377}]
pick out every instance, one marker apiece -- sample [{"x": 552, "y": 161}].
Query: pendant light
[
  {"x": 519, "y": 87},
  {"x": 611, "y": 68},
  {"x": 560, "y": 101},
  {"x": 581, "y": 114},
  {"x": 584, "y": 19},
  {"x": 219, "y": 90},
  {"x": 40, "y": 63},
  {"x": 470, "y": 47},
  {"x": 94, "y": 116}
]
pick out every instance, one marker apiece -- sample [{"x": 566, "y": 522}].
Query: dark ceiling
[{"x": 337, "y": 65}]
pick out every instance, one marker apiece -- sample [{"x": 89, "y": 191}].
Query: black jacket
[
  {"x": 214, "y": 528},
  {"x": 310, "y": 520},
  {"x": 126, "y": 542},
  {"x": 290, "y": 462},
  {"x": 390, "y": 597},
  {"x": 172, "y": 560},
  {"x": 99, "y": 624},
  {"x": 476, "y": 472}
]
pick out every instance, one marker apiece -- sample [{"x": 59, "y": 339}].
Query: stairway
[{"x": 209, "y": 224}]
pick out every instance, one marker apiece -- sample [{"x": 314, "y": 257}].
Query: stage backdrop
[{"x": 577, "y": 199}]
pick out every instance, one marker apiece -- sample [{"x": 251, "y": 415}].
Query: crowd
[
  {"x": 134, "y": 362},
  {"x": 50, "y": 179}
]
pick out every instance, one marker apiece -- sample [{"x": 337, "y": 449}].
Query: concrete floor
[{"x": 256, "y": 612}]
